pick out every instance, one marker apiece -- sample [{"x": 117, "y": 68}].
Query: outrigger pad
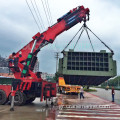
[{"x": 15, "y": 83}]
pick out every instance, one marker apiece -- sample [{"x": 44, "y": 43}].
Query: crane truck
[
  {"x": 67, "y": 88},
  {"x": 27, "y": 85}
]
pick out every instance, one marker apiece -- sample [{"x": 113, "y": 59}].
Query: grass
[
  {"x": 90, "y": 90},
  {"x": 104, "y": 87}
]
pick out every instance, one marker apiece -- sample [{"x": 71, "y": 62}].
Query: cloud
[{"x": 18, "y": 27}]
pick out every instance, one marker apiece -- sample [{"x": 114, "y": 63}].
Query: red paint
[
  {"x": 6, "y": 88},
  {"x": 75, "y": 16},
  {"x": 102, "y": 98}
]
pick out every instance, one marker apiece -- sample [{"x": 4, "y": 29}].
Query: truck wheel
[
  {"x": 63, "y": 90},
  {"x": 30, "y": 100},
  {"x": 19, "y": 99},
  {"x": 3, "y": 97}
]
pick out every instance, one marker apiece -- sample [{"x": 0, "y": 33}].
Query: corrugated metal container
[{"x": 87, "y": 68}]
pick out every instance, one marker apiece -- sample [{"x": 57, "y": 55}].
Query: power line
[
  {"x": 46, "y": 13},
  {"x": 48, "y": 10},
  {"x": 36, "y": 13},
  {"x": 33, "y": 15},
  {"x": 56, "y": 47},
  {"x": 43, "y": 27}
]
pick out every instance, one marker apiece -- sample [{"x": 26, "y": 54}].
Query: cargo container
[{"x": 87, "y": 68}]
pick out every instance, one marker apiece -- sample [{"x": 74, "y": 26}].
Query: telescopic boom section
[{"x": 27, "y": 53}]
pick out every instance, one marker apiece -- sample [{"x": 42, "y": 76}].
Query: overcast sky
[{"x": 17, "y": 27}]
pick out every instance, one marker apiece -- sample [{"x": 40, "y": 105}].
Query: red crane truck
[{"x": 28, "y": 85}]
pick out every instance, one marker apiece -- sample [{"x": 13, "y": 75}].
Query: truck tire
[
  {"x": 3, "y": 97},
  {"x": 63, "y": 90},
  {"x": 30, "y": 100},
  {"x": 19, "y": 99}
]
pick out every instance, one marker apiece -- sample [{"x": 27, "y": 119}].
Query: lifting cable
[
  {"x": 43, "y": 27},
  {"x": 79, "y": 38},
  {"x": 72, "y": 39},
  {"x": 33, "y": 15},
  {"x": 85, "y": 27},
  {"x": 100, "y": 40},
  {"x": 90, "y": 40}
]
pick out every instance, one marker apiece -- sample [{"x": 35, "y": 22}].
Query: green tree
[
  {"x": 113, "y": 82},
  {"x": 57, "y": 75}
]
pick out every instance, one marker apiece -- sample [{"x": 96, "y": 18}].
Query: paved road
[
  {"x": 106, "y": 94},
  {"x": 90, "y": 108},
  {"x": 37, "y": 110},
  {"x": 33, "y": 111}
]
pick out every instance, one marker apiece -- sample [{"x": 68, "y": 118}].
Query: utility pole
[
  {"x": 36, "y": 68},
  {"x": 118, "y": 82},
  {"x": 57, "y": 54}
]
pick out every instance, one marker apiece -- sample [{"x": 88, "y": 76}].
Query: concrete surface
[
  {"x": 107, "y": 94},
  {"x": 70, "y": 108},
  {"x": 90, "y": 108},
  {"x": 33, "y": 111}
]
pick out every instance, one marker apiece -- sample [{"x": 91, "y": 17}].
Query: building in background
[
  {"x": 47, "y": 76},
  {"x": 4, "y": 70},
  {"x": 3, "y": 65}
]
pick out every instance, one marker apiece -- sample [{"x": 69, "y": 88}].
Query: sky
[{"x": 17, "y": 27}]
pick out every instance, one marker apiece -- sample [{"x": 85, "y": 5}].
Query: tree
[
  {"x": 57, "y": 75},
  {"x": 112, "y": 82}
]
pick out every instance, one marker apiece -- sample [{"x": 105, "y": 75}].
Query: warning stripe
[
  {"x": 114, "y": 111},
  {"x": 95, "y": 114},
  {"x": 94, "y": 117},
  {"x": 88, "y": 113}
]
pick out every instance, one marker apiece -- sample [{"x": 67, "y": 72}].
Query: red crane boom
[{"x": 30, "y": 85}]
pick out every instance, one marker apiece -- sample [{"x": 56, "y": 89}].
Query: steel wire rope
[
  {"x": 36, "y": 14},
  {"x": 33, "y": 15},
  {"x": 90, "y": 40},
  {"x": 79, "y": 38},
  {"x": 43, "y": 27},
  {"x": 72, "y": 39},
  {"x": 100, "y": 40}
]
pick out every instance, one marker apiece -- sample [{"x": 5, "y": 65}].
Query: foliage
[
  {"x": 57, "y": 75},
  {"x": 112, "y": 82},
  {"x": 90, "y": 90},
  {"x": 104, "y": 87}
]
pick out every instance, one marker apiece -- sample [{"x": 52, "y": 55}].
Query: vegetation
[
  {"x": 57, "y": 75},
  {"x": 104, "y": 87},
  {"x": 89, "y": 90},
  {"x": 112, "y": 82}
]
